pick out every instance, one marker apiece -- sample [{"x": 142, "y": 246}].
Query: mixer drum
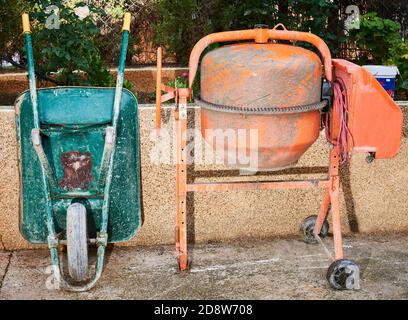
[{"x": 264, "y": 78}]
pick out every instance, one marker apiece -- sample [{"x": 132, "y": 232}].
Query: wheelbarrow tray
[{"x": 73, "y": 123}]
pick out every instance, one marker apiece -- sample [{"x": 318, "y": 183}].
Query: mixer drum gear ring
[{"x": 261, "y": 110}]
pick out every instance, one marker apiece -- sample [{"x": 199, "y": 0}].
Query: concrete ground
[{"x": 276, "y": 269}]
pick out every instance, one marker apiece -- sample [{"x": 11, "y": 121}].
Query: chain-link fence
[
  {"x": 142, "y": 50},
  {"x": 145, "y": 15}
]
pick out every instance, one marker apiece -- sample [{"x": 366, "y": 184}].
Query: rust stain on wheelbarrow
[{"x": 77, "y": 168}]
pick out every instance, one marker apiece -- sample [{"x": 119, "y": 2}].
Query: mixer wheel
[
  {"x": 343, "y": 274},
  {"x": 307, "y": 229}
]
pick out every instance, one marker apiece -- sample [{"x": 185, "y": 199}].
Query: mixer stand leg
[
  {"x": 334, "y": 186},
  {"x": 181, "y": 184},
  {"x": 324, "y": 210}
]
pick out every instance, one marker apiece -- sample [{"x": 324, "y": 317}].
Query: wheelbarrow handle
[
  {"x": 109, "y": 148},
  {"x": 121, "y": 68},
  {"x": 259, "y": 35},
  {"x": 31, "y": 72}
]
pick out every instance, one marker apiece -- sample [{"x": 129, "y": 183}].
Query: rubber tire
[
  {"x": 77, "y": 242},
  {"x": 337, "y": 275},
  {"x": 307, "y": 229}
]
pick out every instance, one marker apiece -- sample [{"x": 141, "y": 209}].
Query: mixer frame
[
  {"x": 181, "y": 95},
  {"x": 342, "y": 273},
  {"x": 330, "y": 185}
]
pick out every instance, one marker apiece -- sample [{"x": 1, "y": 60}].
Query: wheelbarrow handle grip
[
  {"x": 30, "y": 66},
  {"x": 26, "y": 23},
  {"x": 259, "y": 35},
  {"x": 126, "y": 21},
  {"x": 121, "y": 67}
]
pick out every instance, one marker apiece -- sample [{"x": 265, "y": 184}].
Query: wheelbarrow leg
[{"x": 181, "y": 185}]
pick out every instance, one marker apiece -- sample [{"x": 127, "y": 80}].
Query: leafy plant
[
  {"x": 70, "y": 52},
  {"x": 177, "y": 29},
  {"x": 385, "y": 45},
  {"x": 399, "y": 58},
  {"x": 377, "y": 35},
  {"x": 179, "y": 82},
  {"x": 316, "y": 16},
  {"x": 184, "y": 22},
  {"x": 10, "y": 26}
]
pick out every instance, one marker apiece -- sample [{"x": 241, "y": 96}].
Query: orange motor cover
[{"x": 374, "y": 119}]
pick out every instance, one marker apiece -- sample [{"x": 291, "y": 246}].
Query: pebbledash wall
[{"x": 373, "y": 197}]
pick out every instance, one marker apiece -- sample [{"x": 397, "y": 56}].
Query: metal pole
[
  {"x": 36, "y": 140},
  {"x": 158, "y": 87},
  {"x": 31, "y": 72},
  {"x": 121, "y": 68},
  {"x": 116, "y": 109}
]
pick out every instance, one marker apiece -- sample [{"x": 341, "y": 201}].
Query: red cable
[{"x": 340, "y": 108}]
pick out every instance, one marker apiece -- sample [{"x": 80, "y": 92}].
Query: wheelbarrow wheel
[
  {"x": 308, "y": 227},
  {"x": 77, "y": 242},
  {"x": 343, "y": 274}
]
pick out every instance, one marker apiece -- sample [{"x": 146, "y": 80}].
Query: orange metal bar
[
  {"x": 181, "y": 179},
  {"x": 158, "y": 87},
  {"x": 167, "y": 89},
  {"x": 255, "y": 185},
  {"x": 335, "y": 203},
  {"x": 166, "y": 97},
  {"x": 258, "y": 35},
  {"x": 324, "y": 210}
]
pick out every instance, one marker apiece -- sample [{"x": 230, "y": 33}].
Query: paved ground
[{"x": 278, "y": 269}]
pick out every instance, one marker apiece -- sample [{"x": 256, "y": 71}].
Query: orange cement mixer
[
  {"x": 258, "y": 86},
  {"x": 287, "y": 94}
]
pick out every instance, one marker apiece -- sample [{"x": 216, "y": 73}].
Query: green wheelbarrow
[{"x": 79, "y": 168}]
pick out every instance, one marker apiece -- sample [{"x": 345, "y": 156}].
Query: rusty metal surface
[{"x": 77, "y": 168}]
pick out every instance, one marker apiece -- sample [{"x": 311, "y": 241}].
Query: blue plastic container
[{"x": 385, "y": 75}]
